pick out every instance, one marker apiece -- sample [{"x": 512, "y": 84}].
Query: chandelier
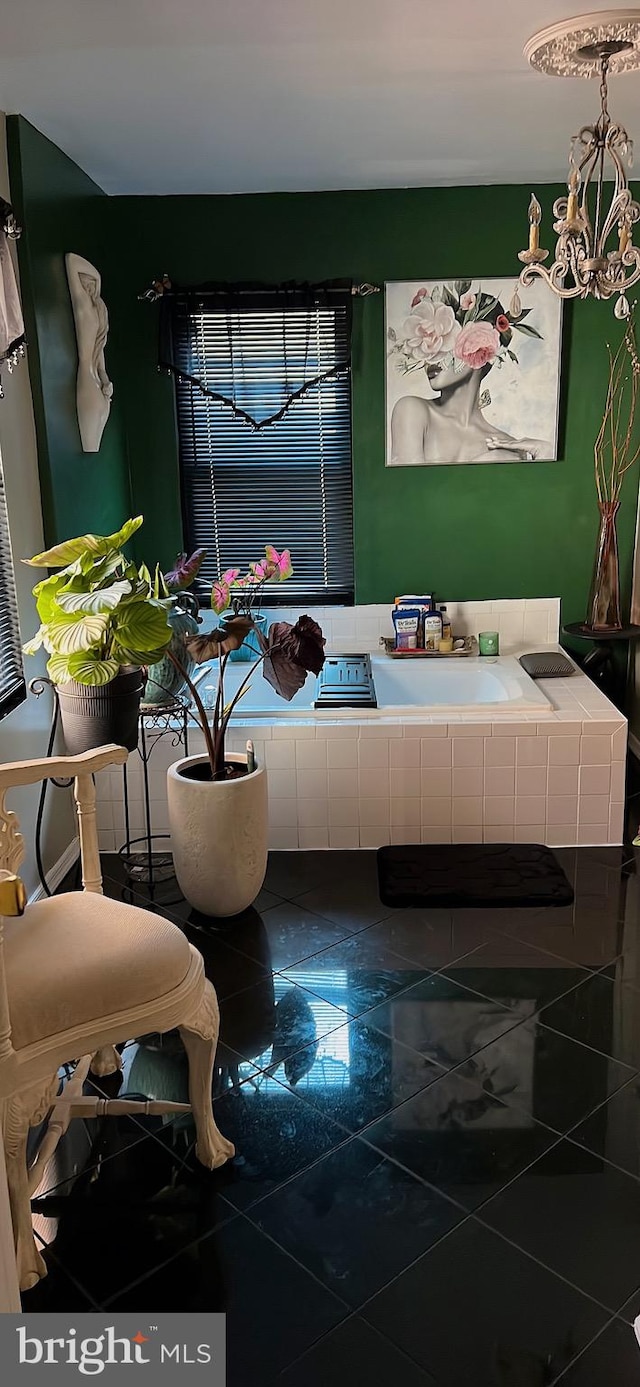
[{"x": 594, "y": 255}]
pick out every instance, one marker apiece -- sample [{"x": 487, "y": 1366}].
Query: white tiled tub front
[{"x": 363, "y": 782}]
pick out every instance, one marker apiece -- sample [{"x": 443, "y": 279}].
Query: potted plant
[
  {"x": 218, "y": 802},
  {"x": 165, "y": 681},
  {"x": 101, "y": 624}
]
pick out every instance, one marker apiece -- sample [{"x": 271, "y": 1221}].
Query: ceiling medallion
[{"x": 594, "y": 254}]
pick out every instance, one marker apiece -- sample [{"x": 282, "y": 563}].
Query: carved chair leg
[
  {"x": 17, "y": 1114},
  {"x": 200, "y": 1037},
  {"x": 106, "y": 1061}
]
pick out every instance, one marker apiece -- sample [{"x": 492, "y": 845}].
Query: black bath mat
[{"x": 471, "y": 874}]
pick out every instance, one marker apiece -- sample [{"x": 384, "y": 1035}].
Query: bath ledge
[{"x": 556, "y": 704}]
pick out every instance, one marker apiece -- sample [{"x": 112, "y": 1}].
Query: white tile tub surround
[
  {"x": 521, "y": 622},
  {"x": 506, "y": 777}
]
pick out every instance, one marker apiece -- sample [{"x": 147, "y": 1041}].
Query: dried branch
[{"x": 613, "y": 453}]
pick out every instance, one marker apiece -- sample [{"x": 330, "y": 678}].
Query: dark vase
[
  {"x": 165, "y": 683},
  {"x": 95, "y": 717},
  {"x": 603, "y": 611}
]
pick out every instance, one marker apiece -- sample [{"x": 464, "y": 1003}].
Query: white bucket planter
[{"x": 218, "y": 836}]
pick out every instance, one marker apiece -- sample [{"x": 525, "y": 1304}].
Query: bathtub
[
  {"x": 468, "y": 750},
  {"x": 414, "y": 688}
]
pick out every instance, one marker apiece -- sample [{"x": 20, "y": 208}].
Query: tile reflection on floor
[{"x": 436, "y": 1117}]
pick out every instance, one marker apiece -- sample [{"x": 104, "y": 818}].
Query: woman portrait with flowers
[{"x": 442, "y": 343}]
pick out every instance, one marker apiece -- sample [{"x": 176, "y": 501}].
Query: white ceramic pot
[{"x": 218, "y": 836}]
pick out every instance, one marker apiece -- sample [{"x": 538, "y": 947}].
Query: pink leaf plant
[
  {"x": 221, "y": 590},
  {"x": 288, "y": 653}
]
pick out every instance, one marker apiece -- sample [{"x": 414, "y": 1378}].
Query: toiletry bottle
[
  {"x": 432, "y": 628},
  {"x": 447, "y": 633}
]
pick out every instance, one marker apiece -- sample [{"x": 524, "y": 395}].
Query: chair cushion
[{"x": 78, "y": 957}]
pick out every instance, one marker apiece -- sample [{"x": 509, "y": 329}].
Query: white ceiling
[{"x": 202, "y": 96}]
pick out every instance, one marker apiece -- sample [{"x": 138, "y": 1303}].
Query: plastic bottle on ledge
[
  {"x": 432, "y": 628},
  {"x": 447, "y": 633}
]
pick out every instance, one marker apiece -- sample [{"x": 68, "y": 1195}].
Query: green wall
[
  {"x": 62, "y": 210},
  {"x": 509, "y": 530}
]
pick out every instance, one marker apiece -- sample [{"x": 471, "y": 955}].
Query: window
[
  {"x": 12, "y": 686},
  {"x": 247, "y": 481}
]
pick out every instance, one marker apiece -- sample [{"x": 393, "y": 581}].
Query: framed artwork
[{"x": 472, "y": 372}]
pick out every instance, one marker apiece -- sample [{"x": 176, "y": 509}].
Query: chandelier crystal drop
[{"x": 594, "y": 223}]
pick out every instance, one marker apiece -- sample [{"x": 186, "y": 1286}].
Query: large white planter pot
[{"x": 218, "y": 836}]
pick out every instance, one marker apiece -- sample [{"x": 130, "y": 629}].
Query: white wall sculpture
[{"x": 94, "y": 390}]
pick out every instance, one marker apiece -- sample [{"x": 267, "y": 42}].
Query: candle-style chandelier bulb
[
  {"x": 535, "y": 217},
  {"x": 533, "y": 254},
  {"x": 574, "y": 183}
]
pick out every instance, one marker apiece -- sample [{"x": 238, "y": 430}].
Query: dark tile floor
[{"x": 437, "y": 1123}]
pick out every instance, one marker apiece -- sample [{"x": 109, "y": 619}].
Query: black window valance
[{"x": 222, "y": 340}]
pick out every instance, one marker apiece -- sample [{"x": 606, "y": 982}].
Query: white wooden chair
[{"x": 80, "y": 972}]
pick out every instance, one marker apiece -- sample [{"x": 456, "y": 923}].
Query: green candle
[{"x": 489, "y": 642}]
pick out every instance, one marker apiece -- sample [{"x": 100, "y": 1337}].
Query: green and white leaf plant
[{"x": 99, "y": 612}]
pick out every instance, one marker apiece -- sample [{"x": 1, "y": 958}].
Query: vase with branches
[{"x": 615, "y": 452}]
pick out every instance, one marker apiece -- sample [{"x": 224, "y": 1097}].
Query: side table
[
  {"x": 154, "y": 723},
  {"x": 599, "y": 663}
]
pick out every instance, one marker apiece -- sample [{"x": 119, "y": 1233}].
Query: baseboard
[
  {"x": 59, "y": 871},
  {"x": 634, "y": 745}
]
